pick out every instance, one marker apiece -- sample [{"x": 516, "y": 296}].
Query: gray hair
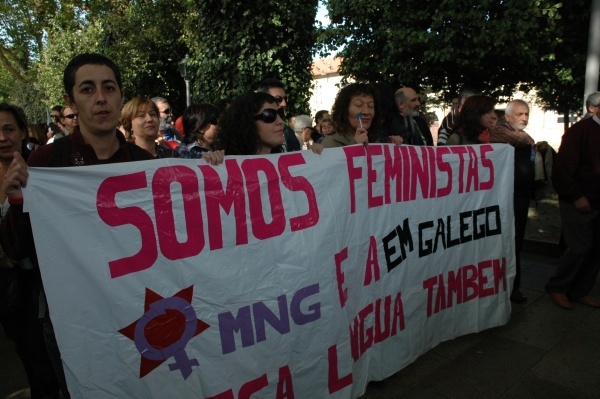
[
  {"x": 157, "y": 100},
  {"x": 511, "y": 104},
  {"x": 592, "y": 100},
  {"x": 301, "y": 122},
  {"x": 399, "y": 95}
]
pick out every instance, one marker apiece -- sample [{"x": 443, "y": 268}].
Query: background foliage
[
  {"x": 494, "y": 45},
  {"x": 436, "y": 46},
  {"x": 234, "y": 46}
]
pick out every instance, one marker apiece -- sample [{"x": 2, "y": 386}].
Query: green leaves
[{"x": 493, "y": 45}]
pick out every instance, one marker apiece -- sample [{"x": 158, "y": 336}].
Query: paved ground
[{"x": 543, "y": 352}]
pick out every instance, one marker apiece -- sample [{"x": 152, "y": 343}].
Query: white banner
[{"x": 287, "y": 276}]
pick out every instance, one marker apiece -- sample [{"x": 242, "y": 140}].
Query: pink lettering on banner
[
  {"x": 135, "y": 216},
  {"x": 162, "y": 181},
  {"x": 260, "y": 227},
  {"x": 374, "y": 201},
  {"x": 460, "y": 151},
  {"x": 421, "y": 173},
  {"x": 392, "y": 172},
  {"x": 472, "y": 171},
  {"x": 354, "y": 173},
  {"x": 285, "y": 387},
  {"x": 218, "y": 198},
  {"x": 339, "y": 274},
  {"x": 252, "y": 387},
  {"x": 487, "y": 164},
  {"x": 372, "y": 266},
  {"x": 413, "y": 170},
  {"x": 467, "y": 283},
  {"x": 445, "y": 168},
  {"x": 299, "y": 183},
  {"x": 363, "y": 336},
  {"x": 334, "y": 381}
]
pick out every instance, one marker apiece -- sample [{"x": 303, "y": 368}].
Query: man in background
[
  {"x": 413, "y": 129},
  {"x": 450, "y": 120},
  {"x": 592, "y": 104},
  {"x": 166, "y": 129}
]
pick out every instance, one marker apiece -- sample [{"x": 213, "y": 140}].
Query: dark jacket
[
  {"x": 576, "y": 170},
  {"x": 401, "y": 126}
]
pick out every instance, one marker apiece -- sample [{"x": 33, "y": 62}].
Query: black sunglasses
[
  {"x": 70, "y": 116},
  {"x": 279, "y": 99},
  {"x": 269, "y": 115},
  {"x": 167, "y": 111}
]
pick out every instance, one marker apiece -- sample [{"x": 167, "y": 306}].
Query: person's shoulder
[
  {"x": 138, "y": 153},
  {"x": 333, "y": 140},
  {"x": 455, "y": 139},
  {"x": 42, "y": 156}
]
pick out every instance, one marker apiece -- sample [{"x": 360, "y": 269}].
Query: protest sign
[{"x": 288, "y": 276}]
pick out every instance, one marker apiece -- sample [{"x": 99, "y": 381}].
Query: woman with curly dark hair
[
  {"x": 476, "y": 117},
  {"x": 354, "y": 116},
  {"x": 252, "y": 124}
]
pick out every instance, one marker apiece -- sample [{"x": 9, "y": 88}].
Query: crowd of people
[{"x": 97, "y": 127}]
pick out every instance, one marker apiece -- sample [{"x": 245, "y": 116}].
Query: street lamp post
[{"x": 184, "y": 74}]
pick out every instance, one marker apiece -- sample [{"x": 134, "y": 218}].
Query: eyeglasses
[
  {"x": 269, "y": 115},
  {"x": 55, "y": 116},
  {"x": 70, "y": 116},
  {"x": 167, "y": 111},
  {"x": 280, "y": 99}
]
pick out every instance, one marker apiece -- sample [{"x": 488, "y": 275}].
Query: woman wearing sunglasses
[
  {"x": 252, "y": 124},
  {"x": 354, "y": 116}
]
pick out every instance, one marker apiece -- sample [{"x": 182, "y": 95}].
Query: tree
[
  {"x": 233, "y": 46},
  {"x": 490, "y": 44},
  {"x": 147, "y": 59},
  {"x": 561, "y": 75}
]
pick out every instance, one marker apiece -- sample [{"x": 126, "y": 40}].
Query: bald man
[{"x": 408, "y": 124}]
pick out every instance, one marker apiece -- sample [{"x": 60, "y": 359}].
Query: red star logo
[{"x": 164, "y": 330}]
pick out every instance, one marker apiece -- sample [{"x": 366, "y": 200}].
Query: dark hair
[
  {"x": 340, "y": 114},
  {"x": 237, "y": 132},
  {"x": 319, "y": 115},
  {"x": 269, "y": 83},
  {"x": 58, "y": 108},
  {"x": 469, "y": 118},
  {"x": 467, "y": 92},
  {"x": 195, "y": 118},
  {"x": 86, "y": 59},
  {"x": 387, "y": 111},
  {"x": 18, "y": 114},
  {"x": 222, "y": 104}
]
